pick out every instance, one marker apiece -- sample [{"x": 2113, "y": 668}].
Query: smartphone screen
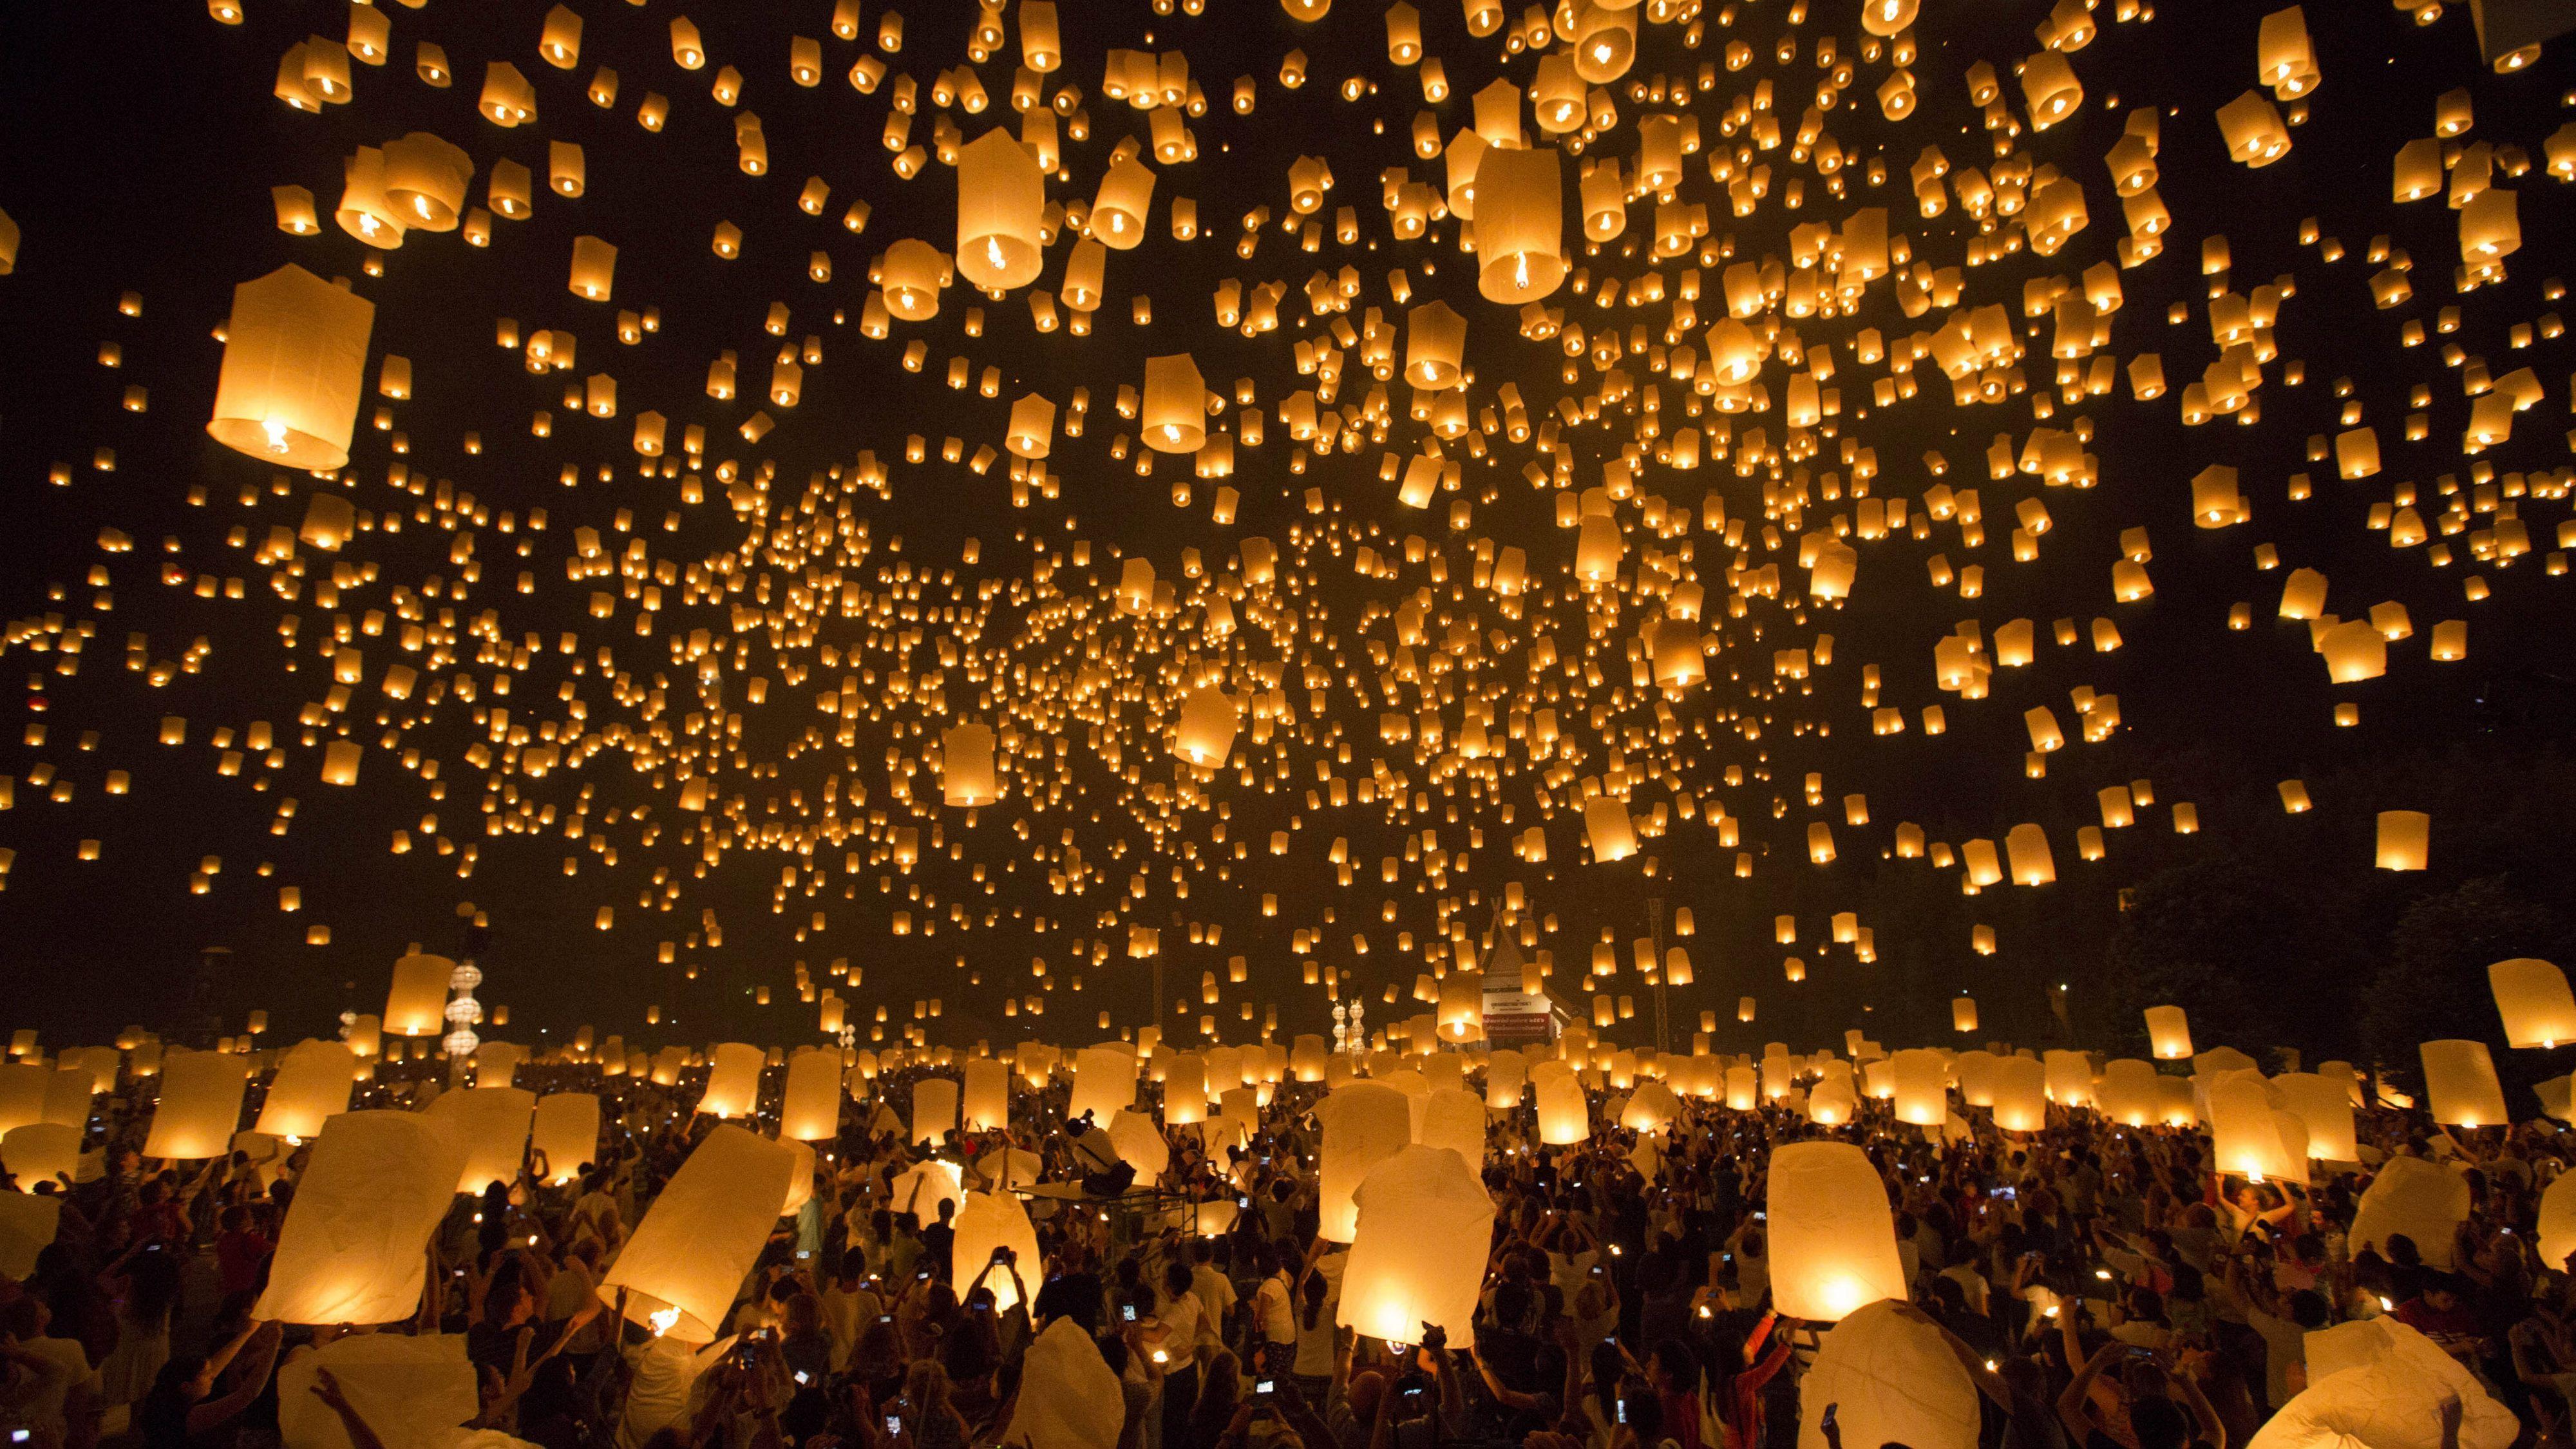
[
  {"x": 1622, "y": 1410},
  {"x": 894, "y": 1423},
  {"x": 1265, "y": 1386},
  {"x": 1126, "y": 1312}
]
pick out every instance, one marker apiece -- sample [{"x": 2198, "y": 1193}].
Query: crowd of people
[{"x": 2100, "y": 1285}]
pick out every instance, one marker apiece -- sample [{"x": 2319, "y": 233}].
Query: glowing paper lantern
[
  {"x": 1141, "y": 1145},
  {"x": 387, "y": 1378},
  {"x": 39, "y": 1152},
  {"x": 1889, "y": 1378},
  {"x": 1423, "y": 1224},
  {"x": 987, "y": 1095},
  {"x": 27, "y": 1225},
  {"x": 934, "y": 1109},
  {"x": 1364, "y": 1123},
  {"x": 1209, "y": 720},
  {"x": 1104, "y": 1084},
  {"x": 2460, "y": 1083},
  {"x": 566, "y": 1130},
  {"x": 2021, "y": 1094},
  {"x": 2405, "y": 839},
  {"x": 417, "y": 1003},
  {"x": 22, "y": 1093},
  {"x": 2532, "y": 997},
  {"x": 295, "y": 358},
  {"x": 1175, "y": 404},
  {"x": 311, "y": 1084},
  {"x": 1608, "y": 829},
  {"x": 2421, "y": 1200},
  {"x": 733, "y": 1081},
  {"x": 1001, "y": 195},
  {"x": 200, "y": 1106},
  {"x": 1520, "y": 225},
  {"x": 810, "y": 1108},
  {"x": 1506, "y": 1080},
  {"x": 2245, "y": 1132},
  {"x": 966, "y": 766},
  {"x": 2557, "y": 1227},
  {"x": 1833, "y": 1239},
  {"x": 1922, "y": 1087},
  {"x": 2169, "y": 1033},
  {"x": 986, "y": 1221},
  {"x": 920, "y": 1189},
  {"x": 686, "y": 1262},
  {"x": 2323, "y": 1106},
  {"x": 492, "y": 1124},
  {"x": 375, "y": 1188}
]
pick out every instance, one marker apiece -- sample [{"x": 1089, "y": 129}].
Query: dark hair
[
  {"x": 1316, "y": 1288},
  {"x": 2159, "y": 1423},
  {"x": 1679, "y": 1364}
]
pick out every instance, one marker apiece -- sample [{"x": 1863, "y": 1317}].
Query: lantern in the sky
[
  {"x": 911, "y": 276},
  {"x": 1564, "y": 1115},
  {"x": 1607, "y": 826},
  {"x": 2460, "y": 1084},
  {"x": 810, "y": 1108},
  {"x": 1435, "y": 346},
  {"x": 1175, "y": 404},
  {"x": 987, "y": 1221},
  {"x": 733, "y": 1081},
  {"x": 374, "y": 1189},
  {"x": 1001, "y": 195},
  {"x": 683, "y": 1267},
  {"x": 2169, "y": 1033},
  {"x": 311, "y": 1085},
  {"x": 1887, "y": 1376},
  {"x": 966, "y": 775},
  {"x": 1118, "y": 209},
  {"x": 492, "y": 1125},
  {"x": 1833, "y": 1238},
  {"x": 1422, "y": 1226},
  {"x": 1209, "y": 718},
  {"x": 566, "y": 1130},
  {"x": 1520, "y": 225},
  {"x": 1364, "y": 1123},
  {"x": 200, "y": 1106},
  {"x": 934, "y": 1109},
  {"x": 295, "y": 359},
  {"x": 2532, "y": 997},
  {"x": 2405, "y": 839}
]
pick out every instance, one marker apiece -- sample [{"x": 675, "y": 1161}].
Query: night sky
[{"x": 147, "y": 139}]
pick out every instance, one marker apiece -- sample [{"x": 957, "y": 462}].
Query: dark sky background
[{"x": 142, "y": 144}]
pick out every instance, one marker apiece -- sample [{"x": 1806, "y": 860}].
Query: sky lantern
[
  {"x": 1001, "y": 195},
  {"x": 1175, "y": 406},
  {"x": 681, "y": 1269},
  {"x": 199, "y": 1107},
  {"x": 1364, "y": 1123},
  {"x": 2460, "y": 1083},
  {"x": 2169, "y": 1033},
  {"x": 1520, "y": 205},
  {"x": 1423, "y": 1221},
  {"x": 295, "y": 355},
  {"x": 566, "y": 1130},
  {"x": 376, "y": 1186},
  {"x": 1833, "y": 1238},
  {"x": 2531, "y": 996}
]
